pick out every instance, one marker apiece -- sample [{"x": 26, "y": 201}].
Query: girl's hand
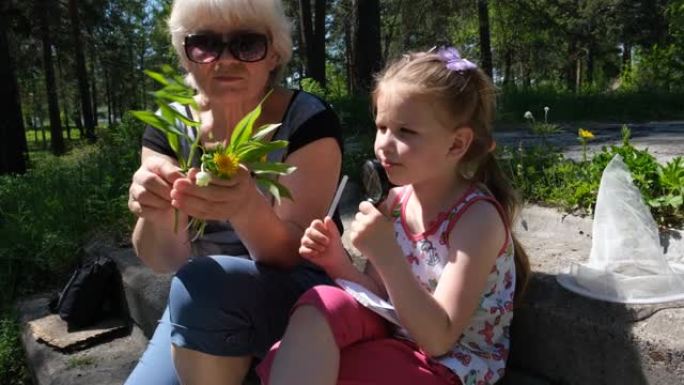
[
  {"x": 373, "y": 235},
  {"x": 222, "y": 199},
  {"x": 149, "y": 195},
  {"x": 322, "y": 245}
]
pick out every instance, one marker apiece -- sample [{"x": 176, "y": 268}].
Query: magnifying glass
[{"x": 376, "y": 185}]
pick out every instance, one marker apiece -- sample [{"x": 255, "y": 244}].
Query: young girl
[{"x": 439, "y": 248}]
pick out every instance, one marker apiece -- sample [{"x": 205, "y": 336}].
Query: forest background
[{"x": 71, "y": 70}]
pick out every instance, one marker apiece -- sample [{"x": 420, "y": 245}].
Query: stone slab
[
  {"x": 55, "y": 332},
  {"x": 102, "y": 364}
]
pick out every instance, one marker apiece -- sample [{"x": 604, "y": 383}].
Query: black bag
[{"x": 93, "y": 292}]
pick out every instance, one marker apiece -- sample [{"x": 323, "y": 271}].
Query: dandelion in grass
[{"x": 584, "y": 136}]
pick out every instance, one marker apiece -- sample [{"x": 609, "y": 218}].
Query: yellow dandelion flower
[
  {"x": 227, "y": 164},
  {"x": 585, "y": 134}
]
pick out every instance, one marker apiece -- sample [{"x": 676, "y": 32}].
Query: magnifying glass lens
[{"x": 375, "y": 182}]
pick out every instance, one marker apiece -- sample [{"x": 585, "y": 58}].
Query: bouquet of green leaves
[{"x": 247, "y": 146}]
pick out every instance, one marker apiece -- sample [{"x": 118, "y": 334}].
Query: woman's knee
[{"x": 208, "y": 284}]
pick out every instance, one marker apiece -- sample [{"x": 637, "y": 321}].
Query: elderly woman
[{"x": 233, "y": 287}]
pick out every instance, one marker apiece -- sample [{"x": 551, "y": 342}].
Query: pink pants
[{"x": 369, "y": 355}]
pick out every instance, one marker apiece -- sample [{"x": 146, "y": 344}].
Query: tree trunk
[
  {"x": 626, "y": 56},
  {"x": 64, "y": 98},
  {"x": 312, "y": 28},
  {"x": 13, "y": 148},
  {"x": 485, "y": 42},
  {"x": 349, "y": 57},
  {"x": 81, "y": 72},
  {"x": 365, "y": 43},
  {"x": 108, "y": 95},
  {"x": 578, "y": 76},
  {"x": 56, "y": 139},
  {"x": 590, "y": 66},
  {"x": 508, "y": 62},
  {"x": 570, "y": 71},
  {"x": 94, "y": 86}
]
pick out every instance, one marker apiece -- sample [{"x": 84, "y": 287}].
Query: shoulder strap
[{"x": 472, "y": 198}]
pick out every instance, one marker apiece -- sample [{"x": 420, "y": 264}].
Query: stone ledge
[{"x": 558, "y": 337}]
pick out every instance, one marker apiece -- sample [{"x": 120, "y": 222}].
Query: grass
[
  {"x": 80, "y": 362},
  {"x": 13, "y": 370}
]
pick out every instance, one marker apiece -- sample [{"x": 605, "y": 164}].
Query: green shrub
[
  {"x": 48, "y": 214},
  {"x": 13, "y": 370},
  {"x": 543, "y": 174},
  {"x": 595, "y": 106}
]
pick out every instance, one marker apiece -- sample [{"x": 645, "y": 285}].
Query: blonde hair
[
  {"x": 188, "y": 16},
  {"x": 468, "y": 97}
]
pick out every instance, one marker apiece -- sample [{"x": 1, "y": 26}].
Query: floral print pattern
[{"x": 480, "y": 355}]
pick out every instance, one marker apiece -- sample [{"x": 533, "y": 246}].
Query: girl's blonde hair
[
  {"x": 469, "y": 98},
  {"x": 188, "y": 16}
]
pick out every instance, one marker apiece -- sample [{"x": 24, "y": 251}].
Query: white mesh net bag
[{"x": 627, "y": 263}]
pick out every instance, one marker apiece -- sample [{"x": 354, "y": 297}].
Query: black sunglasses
[{"x": 205, "y": 48}]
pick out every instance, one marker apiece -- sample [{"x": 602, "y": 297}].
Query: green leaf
[
  {"x": 174, "y": 143},
  {"x": 264, "y": 130},
  {"x": 171, "y": 114},
  {"x": 253, "y": 151},
  {"x": 260, "y": 168},
  {"x": 157, "y": 76},
  {"x": 243, "y": 130},
  {"x": 152, "y": 119},
  {"x": 274, "y": 188},
  {"x": 173, "y": 97}
]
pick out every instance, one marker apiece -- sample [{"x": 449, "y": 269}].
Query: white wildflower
[
  {"x": 528, "y": 115},
  {"x": 202, "y": 178}
]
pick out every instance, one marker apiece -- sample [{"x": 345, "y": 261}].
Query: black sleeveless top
[{"x": 306, "y": 119}]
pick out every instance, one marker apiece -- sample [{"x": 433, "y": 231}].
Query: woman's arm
[
  {"x": 272, "y": 235},
  {"x": 153, "y": 237}
]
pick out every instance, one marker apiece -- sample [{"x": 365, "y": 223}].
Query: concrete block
[
  {"x": 146, "y": 291},
  {"x": 570, "y": 339}
]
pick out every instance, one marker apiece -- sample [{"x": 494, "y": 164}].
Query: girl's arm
[{"x": 437, "y": 321}]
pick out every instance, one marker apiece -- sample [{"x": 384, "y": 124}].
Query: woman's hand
[
  {"x": 222, "y": 199},
  {"x": 373, "y": 235},
  {"x": 322, "y": 245},
  {"x": 149, "y": 195}
]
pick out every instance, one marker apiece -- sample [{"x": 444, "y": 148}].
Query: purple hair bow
[{"x": 453, "y": 59}]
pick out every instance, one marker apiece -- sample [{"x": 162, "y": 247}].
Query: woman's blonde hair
[
  {"x": 468, "y": 97},
  {"x": 189, "y": 16}
]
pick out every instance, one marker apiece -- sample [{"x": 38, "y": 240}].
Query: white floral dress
[{"x": 479, "y": 356}]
